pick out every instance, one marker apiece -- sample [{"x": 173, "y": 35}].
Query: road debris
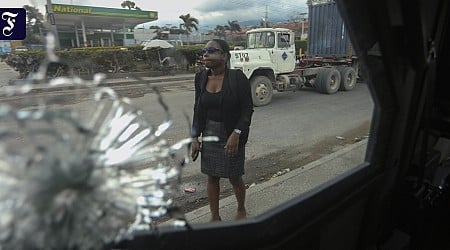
[
  {"x": 281, "y": 172},
  {"x": 190, "y": 189}
]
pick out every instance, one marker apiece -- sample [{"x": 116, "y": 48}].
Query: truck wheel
[
  {"x": 348, "y": 78},
  {"x": 328, "y": 80},
  {"x": 262, "y": 90}
]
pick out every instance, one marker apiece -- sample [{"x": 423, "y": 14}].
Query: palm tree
[
  {"x": 234, "y": 27},
  {"x": 130, "y": 5},
  {"x": 220, "y": 31},
  {"x": 34, "y": 24},
  {"x": 189, "y": 23}
]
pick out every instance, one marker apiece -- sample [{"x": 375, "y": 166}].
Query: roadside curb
[
  {"x": 307, "y": 167},
  {"x": 201, "y": 215},
  {"x": 112, "y": 79},
  {"x": 157, "y": 81}
]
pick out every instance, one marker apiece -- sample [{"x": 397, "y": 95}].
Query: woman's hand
[
  {"x": 195, "y": 148},
  {"x": 232, "y": 146}
]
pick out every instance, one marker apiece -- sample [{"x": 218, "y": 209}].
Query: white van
[{"x": 21, "y": 48}]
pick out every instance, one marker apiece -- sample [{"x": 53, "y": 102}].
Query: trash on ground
[
  {"x": 190, "y": 189},
  {"x": 340, "y": 137},
  {"x": 281, "y": 172}
]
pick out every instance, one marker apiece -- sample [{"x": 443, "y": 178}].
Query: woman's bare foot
[{"x": 241, "y": 215}]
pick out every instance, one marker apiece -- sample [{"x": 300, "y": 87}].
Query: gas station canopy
[
  {"x": 93, "y": 22},
  {"x": 99, "y": 17}
]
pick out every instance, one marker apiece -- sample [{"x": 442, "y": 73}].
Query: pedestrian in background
[{"x": 223, "y": 108}]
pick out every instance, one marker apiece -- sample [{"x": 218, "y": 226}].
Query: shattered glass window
[
  {"x": 81, "y": 176},
  {"x": 95, "y": 133}
]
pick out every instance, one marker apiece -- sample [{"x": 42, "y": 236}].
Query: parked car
[
  {"x": 21, "y": 48},
  {"x": 37, "y": 47}
]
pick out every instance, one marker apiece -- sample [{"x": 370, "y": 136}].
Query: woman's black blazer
[{"x": 237, "y": 105}]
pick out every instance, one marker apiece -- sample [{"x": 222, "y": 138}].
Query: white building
[{"x": 5, "y": 47}]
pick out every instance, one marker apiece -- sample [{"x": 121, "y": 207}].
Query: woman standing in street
[{"x": 223, "y": 108}]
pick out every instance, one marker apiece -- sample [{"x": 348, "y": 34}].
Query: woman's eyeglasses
[{"x": 211, "y": 50}]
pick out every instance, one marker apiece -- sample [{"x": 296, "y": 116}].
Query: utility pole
[
  {"x": 51, "y": 23},
  {"x": 302, "y": 20},
  {"x": 266, "y": 17}
]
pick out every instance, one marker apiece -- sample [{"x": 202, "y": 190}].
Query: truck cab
[
  {"x": 269, "y": 53},
  {"x": 270, "y": 49}
]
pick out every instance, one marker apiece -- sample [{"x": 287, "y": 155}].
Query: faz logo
[
  {"x": 243, "y": 57},
  {"x": 13, "y": 24}
]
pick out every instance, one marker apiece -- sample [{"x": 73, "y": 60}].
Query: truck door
[{"x": 284, "y": 52}]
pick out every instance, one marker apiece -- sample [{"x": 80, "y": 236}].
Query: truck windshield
[{"x": 261, "y": 40}]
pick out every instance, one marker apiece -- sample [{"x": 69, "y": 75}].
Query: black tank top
[{"x": 212, "y": 102}]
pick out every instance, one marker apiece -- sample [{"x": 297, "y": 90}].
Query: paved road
[
  {"x": 302, "y": 126},
  {"x": 296, "y": 128}
]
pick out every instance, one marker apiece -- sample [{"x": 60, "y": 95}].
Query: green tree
[
  {"x": 220, "y": 31},
  {"x": 176, "y": 30},
  {"x": 34, "y": 25},
  {"x": 233, "y": 27},
  {"x": 189, "y": 23},
  {"x": 130, "y": 5}
]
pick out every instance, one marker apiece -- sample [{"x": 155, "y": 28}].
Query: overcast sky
[{"x": 209, "y": 12}]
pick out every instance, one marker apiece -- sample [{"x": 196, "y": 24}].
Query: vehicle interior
[{"x": 399, "y": 197}]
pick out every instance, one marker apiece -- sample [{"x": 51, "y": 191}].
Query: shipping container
[{"x": 327, "y": 35}]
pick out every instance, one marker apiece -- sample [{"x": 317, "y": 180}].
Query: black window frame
[{"x": 354, "y": 210}]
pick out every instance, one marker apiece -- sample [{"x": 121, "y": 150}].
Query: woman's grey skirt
[{"x": 214, "y": 161}]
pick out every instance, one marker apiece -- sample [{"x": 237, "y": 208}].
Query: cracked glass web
[{"x": 72, "y": 180}]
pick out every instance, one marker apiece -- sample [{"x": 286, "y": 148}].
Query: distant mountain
[{"x": 247, "y": 23}]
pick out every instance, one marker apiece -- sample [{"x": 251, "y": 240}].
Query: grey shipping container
[{"x": 328, "y": 36}]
